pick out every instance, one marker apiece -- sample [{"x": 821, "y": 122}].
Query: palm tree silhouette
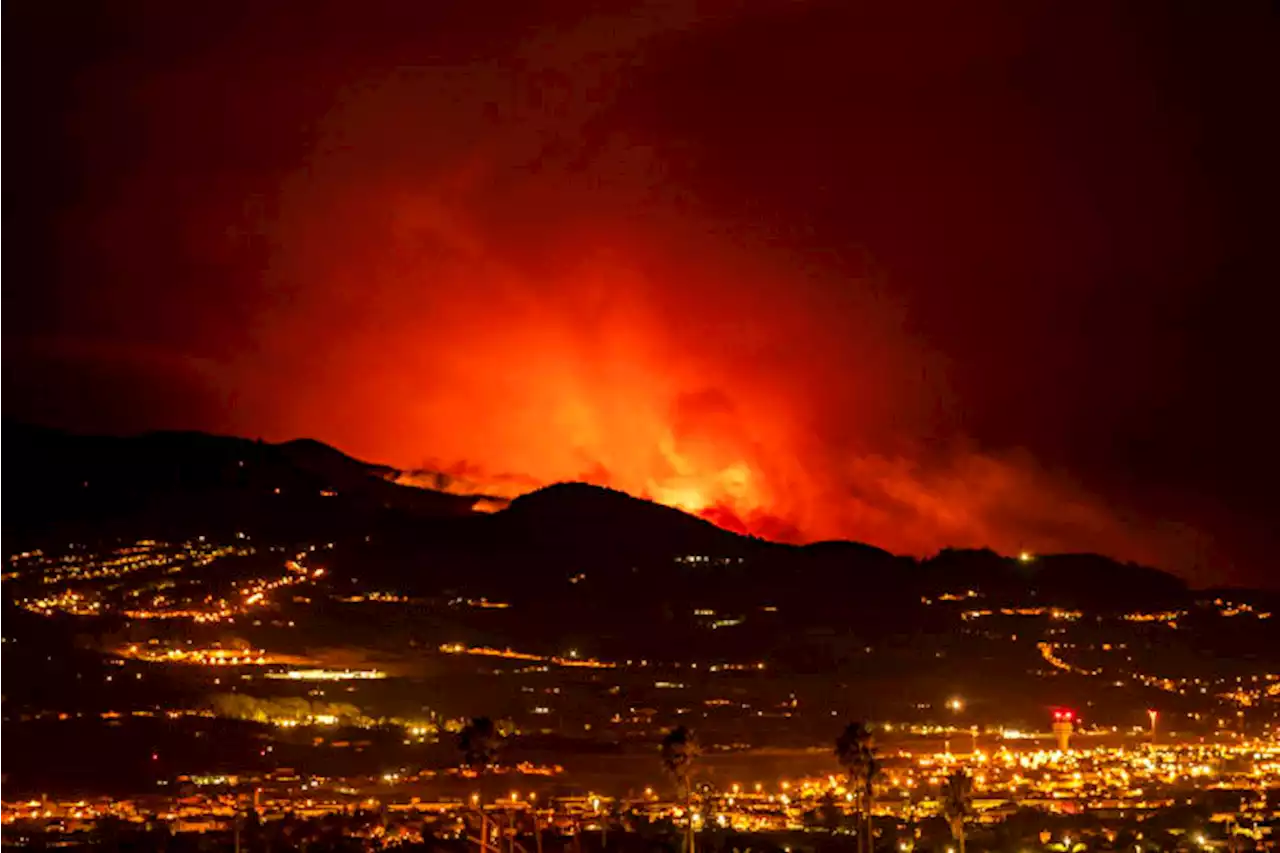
[
  {"x": 679, "y": 750},
  {"x": 856, "y": 752},
  {"x": 479, "y": 742},
  {"x": 957, "y": 803}
]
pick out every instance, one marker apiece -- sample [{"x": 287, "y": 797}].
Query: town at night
[{"x": 774, "y": 427}]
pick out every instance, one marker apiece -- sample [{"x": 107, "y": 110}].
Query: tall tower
[{"x": 1062, "y": 729}]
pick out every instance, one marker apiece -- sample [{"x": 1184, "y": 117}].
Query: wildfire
[{"x": 501, "y": 345}]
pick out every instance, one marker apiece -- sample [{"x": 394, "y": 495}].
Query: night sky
[{"x": 918, "y": 274}]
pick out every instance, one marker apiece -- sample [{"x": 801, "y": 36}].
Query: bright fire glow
[{"x": 496, "y": 322}]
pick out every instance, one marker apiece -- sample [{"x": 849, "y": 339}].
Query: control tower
[{"x": 1063, "y": 726}]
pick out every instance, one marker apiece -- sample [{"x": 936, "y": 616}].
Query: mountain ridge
[{"x": 192, "y": 482}]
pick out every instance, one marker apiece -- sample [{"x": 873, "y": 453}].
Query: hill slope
[
  {"x": 185, "y": 483},
  {"x": 188, "y": 482}
]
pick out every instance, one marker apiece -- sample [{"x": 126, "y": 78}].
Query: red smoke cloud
[
  {"x": 812, "y": 269},
  {"x": 499, "y": 261},
  {"x": 505, "y": 285}
]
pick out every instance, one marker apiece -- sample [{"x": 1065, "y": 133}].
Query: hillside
[
  {"x": 186, "y": 483},
  {"x": 601, "y": 520},
  {"x": 182, "y": 483},
  {"x": 578, "y": 568}
]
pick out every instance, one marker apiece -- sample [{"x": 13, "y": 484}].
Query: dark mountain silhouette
[
  {"x": 603, "y": 520},
  {"x": 1087, "y": 581},
  {"x": 184, "y": 483},
  {"x": 181, "y": 483},
  {"x": 337, "y": 467}
]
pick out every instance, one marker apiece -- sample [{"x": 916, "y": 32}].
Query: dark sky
[{"x": 914, "y": 273}]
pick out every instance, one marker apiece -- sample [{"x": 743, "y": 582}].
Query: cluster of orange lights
[
  {"x": 252, "y": 596},
  {"x": 510, "y": 654},
  {"x": 203, "y": 657}
]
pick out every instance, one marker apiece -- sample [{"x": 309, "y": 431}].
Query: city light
[{"x": 328, "y": 674}]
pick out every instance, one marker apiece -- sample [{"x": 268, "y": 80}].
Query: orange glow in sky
[
  {"x": 503, "y": 267},
  {"x": 809, "y": 270},
  {"x": 441, "y": 304}
]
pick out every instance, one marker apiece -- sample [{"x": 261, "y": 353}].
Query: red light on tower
[{"x": 1062, "y": 728}]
